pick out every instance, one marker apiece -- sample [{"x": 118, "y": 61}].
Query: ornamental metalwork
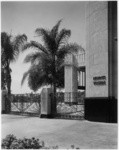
[{"x": 25, "y": 104}]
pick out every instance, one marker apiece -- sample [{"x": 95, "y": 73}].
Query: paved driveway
[{"x": 64, "y": 133}]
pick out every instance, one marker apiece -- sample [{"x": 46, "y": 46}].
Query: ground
[{"x": 64, "y": 133}]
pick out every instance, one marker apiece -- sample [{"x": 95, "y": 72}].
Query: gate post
[
  {"x": 46, "y": 103},
  {"x": 71, "y": 79}
]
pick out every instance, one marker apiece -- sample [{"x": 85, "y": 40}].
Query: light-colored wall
[
  {"x": 68, "y": 78},
  {"x": 75, "y": 79},
  {"x": 71, "y": 79},
  {"x": 96, "y": 47},
  {"x": 46, "y": 101}
]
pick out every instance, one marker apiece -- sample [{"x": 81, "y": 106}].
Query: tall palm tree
[
  {"x": 10, "y": 49},
  {"x": 47, "y": 62}
]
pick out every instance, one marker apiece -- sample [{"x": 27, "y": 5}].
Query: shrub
[{"x": 11, "y": 142}]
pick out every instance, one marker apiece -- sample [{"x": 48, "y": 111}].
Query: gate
[
  {"x": 25, "y": 104},
  {"x": 70, "y": 110}
]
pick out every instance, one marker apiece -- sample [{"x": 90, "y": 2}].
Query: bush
[
  {"x": 11, "y": 142},
  {"x": 7, "y": 142}
]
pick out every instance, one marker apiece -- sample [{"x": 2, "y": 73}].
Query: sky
[{"x": 24, "y": 17}]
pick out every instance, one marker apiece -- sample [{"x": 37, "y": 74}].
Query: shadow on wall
[{"x": 101, "y": 109}]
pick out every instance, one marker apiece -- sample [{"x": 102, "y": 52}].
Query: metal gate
[
  {"x": 70, "y": 110},
  {"x": 25, "y": 104}
]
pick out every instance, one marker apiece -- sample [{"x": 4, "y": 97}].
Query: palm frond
[
  {"x": 68, "y": 48},
  {"x": 35, "y": 45},
  {"x": 25, "y": 75},
  {"x": 4, "y": 38},
  {"x": 44, "y": 33},
  {"x": 59, "y": 64},
  {"x": 62, "y": 53},
  {"x": 54, "y": 30},
  {"x": 32, "y": 57},
  {"x": 18, "y": 44},
  {"x": 19, "y": 41},
  {"x": 7, "y": 47},
  {"x": 49, "y": 42},
  {"x": 63, "y": 36},
  {"x": 38, "y": 75},
  {"x": 39, "y": 79},
  {"x": 10, "y": 49}
]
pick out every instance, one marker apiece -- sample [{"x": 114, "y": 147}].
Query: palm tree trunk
[
  {"x": 8, "y": 102},
  {"x": 54, "y": 103}
]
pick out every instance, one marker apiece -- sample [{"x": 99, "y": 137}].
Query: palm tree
[
  {"x": 47, "y": 63},
  {"x": 10, "y": 49}
]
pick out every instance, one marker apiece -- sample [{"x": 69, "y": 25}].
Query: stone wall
[
  {"x": 101, "y": 61},
  {"x": 71, "y": 79},
  {"x": 97, "y": 49}
]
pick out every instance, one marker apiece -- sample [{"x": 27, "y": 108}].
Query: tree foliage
[
  {"x": 47, "y": 63},
  {"x": 10, "y": 48}
]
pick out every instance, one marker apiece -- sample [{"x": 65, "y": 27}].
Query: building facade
[{"x": 96, "y": 69}]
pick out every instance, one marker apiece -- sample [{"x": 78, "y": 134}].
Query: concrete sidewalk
[{"x": 64, "y": 133}]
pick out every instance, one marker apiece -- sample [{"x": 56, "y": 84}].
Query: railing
[
  {"x": 77, "y": 97},
  {"x": 74, "y": 97},
  {"x": 25, "y": 97},
  {"x": 66, "y": 109}
]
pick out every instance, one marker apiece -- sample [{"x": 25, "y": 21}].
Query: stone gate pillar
[
  {"x": 71, "y": 79},
  {"x": 46, "y": 103}
]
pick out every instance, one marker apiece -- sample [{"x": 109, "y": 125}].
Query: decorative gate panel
[
  {"x": 69, "y": 109},
  {"x": 25, "y": 104}
]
